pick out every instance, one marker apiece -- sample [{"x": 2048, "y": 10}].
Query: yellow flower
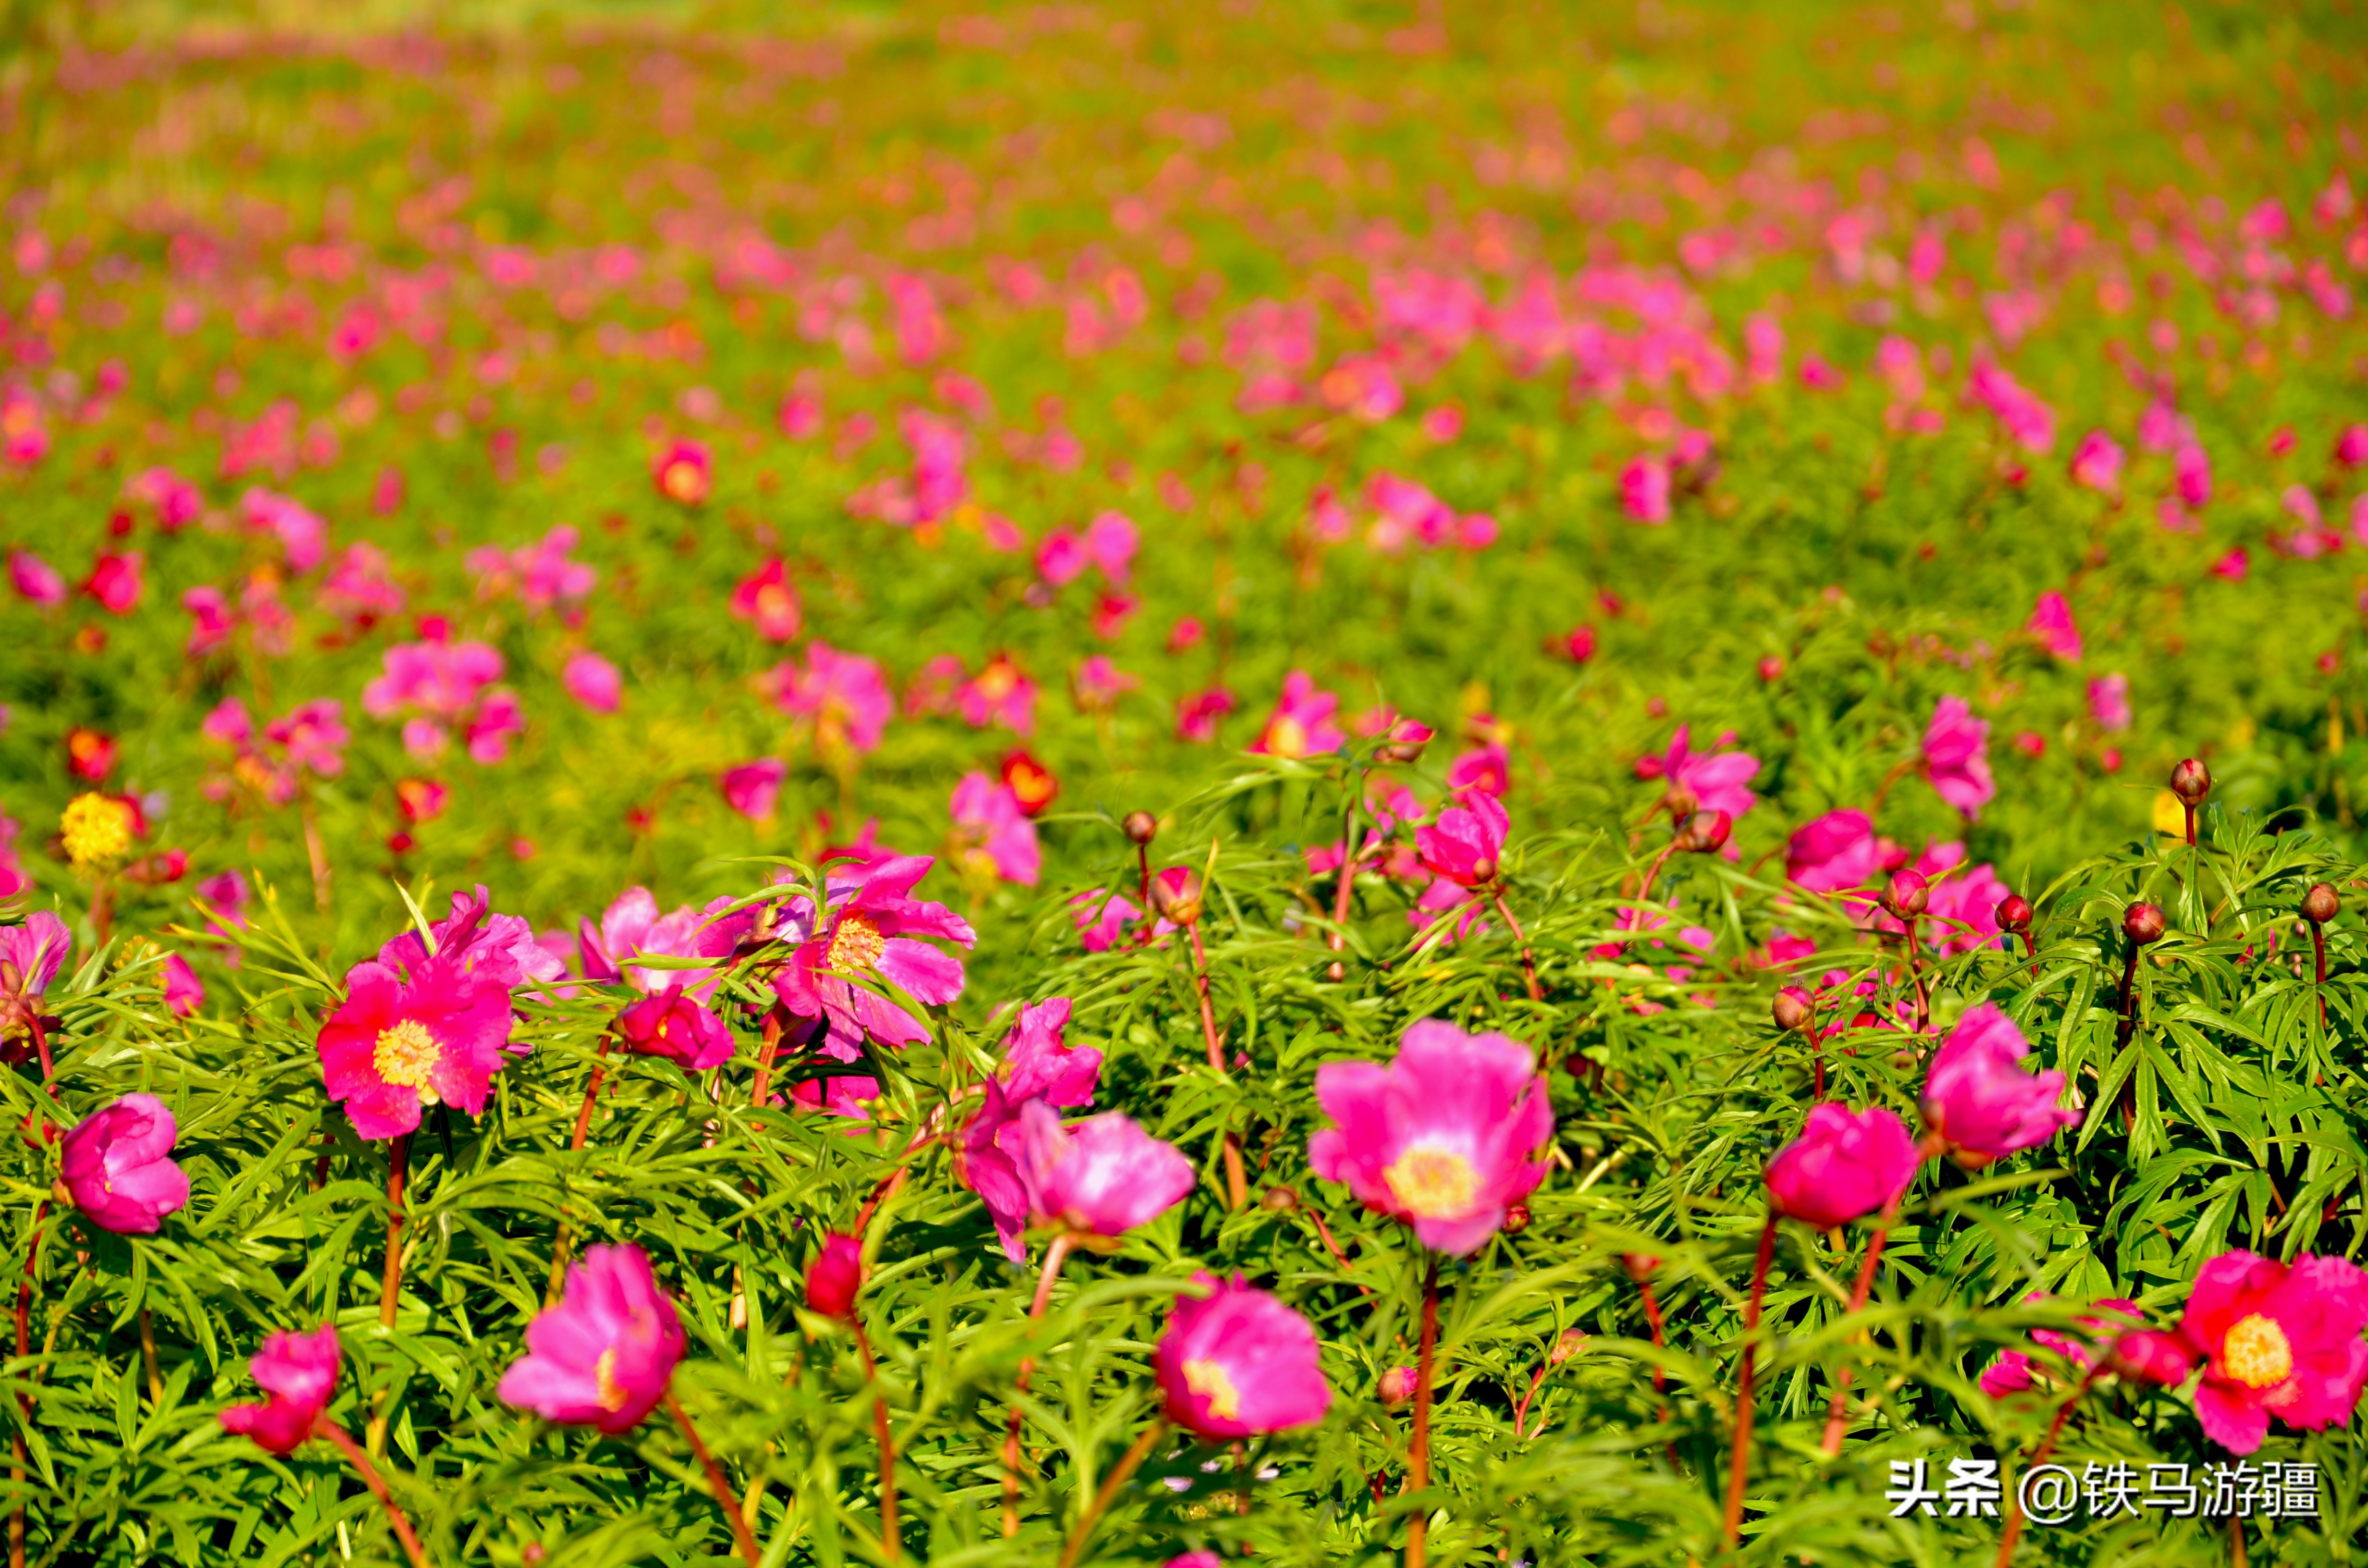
[{"x": 95, "y": 829}]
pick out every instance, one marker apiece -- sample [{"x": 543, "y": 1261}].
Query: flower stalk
[
  {"x": 1055, "y": 1253},
  {"x": 1121, "y": 1474},
  {"x": 324, "y": 1427},
  {"x": 1419, "y": 1458},
  {"x": 892, "y": 1545},
  {"x": 718, "y": 1483},
  {"x": 1739, "y": 1465}
]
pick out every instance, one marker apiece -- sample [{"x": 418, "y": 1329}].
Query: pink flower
[
  {"x": 211, "y": 620},
  {"x": 766, "y": 599},
  {"x": 678, "y": 1027},
  {"x": 992, "y": 833},
  {"x": 1197, "y": 714},
  {"x": 31, "y": 954},
  {"x": 303, "y": 537},
  {"x": 2233, "y": 565},
  {"x": 631, "y": 927},
  {"x": 1645, "y": 490},
  {"x": 2117, "y": 1324},
  {"x": 399, "y": 1044},
  {"x": 834, "y": 1277},
  {"x": 1110, "y": 541},
  {"x": 1977, "y": 1095},
  {"x": 604, "y": 1355},
  {"x": 1835, "y": 852},
  {"x": 35, "y": 578},
  {"x": 684, "y": 472},
  {"x": 2097, "y": 462},
  {"x": 2278, "y": 1339},
  {"x": 753, "y": 787},
  {"x": 442, "y": 679},
  {"x": 1714, "y": 780},
  {"x": 1484, "y": 769},
  {"x": 115, "y": 580},
  {"x": 2191, "y": 468},
  {"x": 1467, "y": 846},
  {"x": 1842, "y": 1166},
  {"x": 298, "y": 1372},
  {"x": 2052, "y": 624},
  {"x": 592, "y": 681},
  {"x": 2109, "y": 702},
  {"x": 117, "y": 1166},
  {"x": 1098, "y": 684},
  {"x": 1061, "y": 557},
  {"x": 1300, "y": 724},
  {"x": 999, "y": 694},
  {"x": 184, "y": 993},
  {"x": 1103, "y": 1177},
  {"x": 1038, "y": 1064},
  {"x": 870, "y": 930},
  {"x": 1235, "y": 1362},
  {"x": 1957, "y": 757},
  {"x": 1442, "y": 1138},
  {"x": 845, "y": 694}
]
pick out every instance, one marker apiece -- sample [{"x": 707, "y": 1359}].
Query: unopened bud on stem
[
  {"x": 1181, "y": 903},
  {"x": 1792, "y": 1009},
  {"x": 2143, "y": 922},
  {"x": 2191, "y": 781},
  {"x": 1904, "y": 896},
  {"x": 2320, "y": 905},
  {"x": 1705, "y": 832},
  {"x": 1141, "y": 827},
  {"x": 2014, "y": 915}
]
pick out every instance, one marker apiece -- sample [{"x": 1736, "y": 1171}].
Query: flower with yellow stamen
[{"x": 96, "y": 830}]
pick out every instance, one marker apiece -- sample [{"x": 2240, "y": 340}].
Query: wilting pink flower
[
  {"x": 684, "y": 472},
  {"x": 1645, "y": 490},
  {"x": 592, "y": 681},
  {"x": 119, "y": 1169},
  {"x": 399, "y": 1043},
  {"x": 2109, "y": 702},
  {"x": 442, "y": 679},
  {"x": 1957, "y": 757},
  {"x": 1442, "y": 1138},
  {"x": 999, "y": 694},
  {"x": 766, "y": 600},
  {"x": 1197, "y": 714},
  {"x": 184, "y": 993},
  {"x": 1300, "y": 724},
  {"x": 2052, "y": 624},
  {"x": 1103, "y": 1177},
  {"x": 1235, "y": 1362},
  {"x": 115, "y": 580},
  {"x": 834, "y": 1277},
  {"x": 1977, "y": 1095},
  {"x": 1835, "y": 852},
  {"x": 870, "y": 930},
  {"x": 2278, "y": 1339},
  {"x": 2097, "y": 462},
  {"x": 1716, "y": 780},
  {"x": 678, "y": 1027},
  {"x": 753, "y": 787},
  {"x": 35, "y": 578},
  {"x": 845, "y": 694},
  {"x": 298, "y": 1372},
  {"x": 1467, "y": 846},
  {"x": 604, "y": 1355},
  {"x": 1842, "y": 1166},
  {"x": 992, "y": 831}
]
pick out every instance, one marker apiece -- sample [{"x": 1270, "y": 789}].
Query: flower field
[{"x": 1147, "y": 784}]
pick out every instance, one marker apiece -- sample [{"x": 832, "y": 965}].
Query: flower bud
[
  {"x": 533, "y": 1554},
  {"x": 1771, "y": 668},
  {"x": 1639, "y": 1265},
  {"x": 1680, "y": 804},
  {"x": 834, "y": 1277},
  {"x": 1570, "y": 1345},
  {"x": 1517, "y": 1218},
  {"x": 1397, "y": 1385},
  {"x": 2014, "y": 915},
  {"x": 2191, "y": 781},
  {"x": 1280, "y": 1199},
  {"x": 1141, "y": 827},
  {"x": 1179, "y": 903},
  {"x": 1705, "y": 832},
  {"x": 1904, "y": 896},
  {"x": 1792, "y": 1009},
  {"x": 2143, "y": 922},
  {"x": 2319, "y": 905}
]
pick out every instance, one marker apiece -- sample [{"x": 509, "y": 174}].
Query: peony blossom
[
  {"x": 1000, "y": 693},
  {"x": 401, "y": 1042},
  {"x": 2012, "y": 1371},
  {"x": 1235, "y": 1362},
  {"x": 1842, "y": 1166},
  {"x": 767, "y": 601},
  {"x": 1716, "y": 780},
  {"x": 1444, "y": 1137},
  {"x": 2109, "y": 702},
  {"x": 845, "y": 695},
  {"x": 1835, "y": 852},
  {"x": 993, "y": 839},
  {"x": 1103, "y": 1177},
  {"x": 30, "y": 956},
  {"x": 2052, "y": 624},
  {"x": 1302, "y": 723},
  {"x": 1645, "y": 490},
  {"x": 684, "y": 472},
  {"x": 870, "y": 930},
  {"x": 678, "y": 1027},
  {"x": 834, "y": 1277},
  {"x": 2097, "y": 463},
  {"x": 1957, "y": 757},
  {"x": 593, "y": 681},
  {"x": 298, "y": 1372},
  {"x": 184, "y": 992},
  {"x": 752, "y": 788},
  {"x": 35, "y": 578},
  {"x": 1467, "y": 846},
  {"x": 1039, "y": 1064},
  {"x": 1977, "y": 1096},
  {"x": 604, "y": 1355},
  {"x": 117, "y": 1166},
  {"x": 2278, "y": 1339}
]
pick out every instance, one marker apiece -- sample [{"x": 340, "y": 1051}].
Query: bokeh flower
[
  {"x": 605, "y": 1355},
  {"x": 1235, "y": 1362}
]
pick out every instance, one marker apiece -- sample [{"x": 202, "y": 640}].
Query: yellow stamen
[
  {"x": 1432, "y": 1183},
  {"x": 855, "y": 946},
  {"x": 2256, "y": 1353},
  {"x": 95, "y": 830},
  {"x": 1208, "y": 1380},
  {"x": 604, "y": 1377},
  {"x": 1287, "y": 737},
  {"x": 405, "y": 1056}
]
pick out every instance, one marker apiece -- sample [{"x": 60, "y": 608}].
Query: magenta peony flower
[
  {"x": 834, "y": 1277},
  {"x": 678, "y": 1027},
  {"x": 2191, "y": 468},
  {"x": 501, "y": 947},
  {"x": 35, "y": 578},
  {"x": 1103, "y": 1177},
  {"x": 117, "y": 1166},
  {"x": 592, "y": 681},
  {"x": 2109, "y": 702},
  {"x": 604, "y": 1355},
  {"x": 1836, "y": 851},
  {"x": 2097, "y": 462},
  {"x": 1977, "y": 1095},
  {"x": 867, "y": 932},
  {"x": 184, "y": 992},
  {"x": 1714, "y": 780},
  {"x": 1645, "y": 490},
  {"x": 1442, "y": 1138},
  {"x": 767, "y": 601},
  {"x": 2278, "y": 1339},
  {"x": 631, "y": 927},
  {"x": 845, "y": 694},
  {"x": 1467, "y": 846},
  {"x": 1037, "y": 1063},
  {"x": 1237, "y": 1362},
  {"x": 1842, "y": 1166},
  {"x": 1957, "y": 757},
  {"x": 752, "y": 788},
  {"x": 993, "y": 839},
  {"x": 2052, "y": 624},
  {"x": 299, "y": 1373},
  {"x": 684, "y": 472},
  {"x": 1302, "y": 723},
  {"x": 404, "y": 1041},
  {"x": 2013, "y": 1371},
  {"x": 115, "y": 580},
  {"x": 1000, "y": 693}
]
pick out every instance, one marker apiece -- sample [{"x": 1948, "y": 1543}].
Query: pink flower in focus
[
  {"x": 1103, "y": 1177},
  {"x": 1442, "y": 1138},
  {"x": 869, "y": 931},
  {"x": 1835, "y": 852},
  {"x": 1235, "y": 1362},
  {"x": 2109, "y": 702},
  {"x": 297, "y": 1372},
  {"x": 766, "y": 599},
  {"x": 752, "y": 788},
  {"x": 2278, "y": 1339},
  {"x": 1957, "y": 757},
  {"x": 593, "y": 681},
  {"x": 1842, "y": 1166},
  {"x": 2052, "y": 624},
  {"x": 117, "y": 1166},
  {"x": 604, "y": 1355},
  {"x": 1977, "y": 1095},
  {"x": 678, "y": 1027},
  {"x": 1037, "y": 1063},
  {"x": 845, "y": 694},
  {"x": 992, "y": 833},
  {"x": 397, "y": 1045},
  {"x": 1300, "y": 724}
]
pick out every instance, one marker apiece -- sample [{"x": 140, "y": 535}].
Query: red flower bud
[
  {"x": 2320, "y": 905},
  {"x": 2143, "y": 922},
  {"x": 1792, "y": 1009},
  {"x": 2191, "y": 781},
  {"x": 1141, "y": 827},
  {"x": 1906, "y": 895},
  {"x": 1705, "y": 832},
  {"x": 2014, "y": 915},
  {"x": 834, "y": 1277}
]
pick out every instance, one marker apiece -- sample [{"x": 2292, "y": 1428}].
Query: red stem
[
  {"x": 1837, "y": 1407},
  {"x": 721, "y": 1483},
  {"x": 1418, "y": 1460},
  {"x": 1054, "y": 1256},
  {"x": 2013, "y": 1531},
  {"x": 2318, "y": 955},
  {"x": 1237, "y": 1186},
  {"x": 1739, "y": 1466},
  {"x": 891, "y": 1544},
  {"x": 1529, "y": 964},
  {"x": 324, "y": 1427}
]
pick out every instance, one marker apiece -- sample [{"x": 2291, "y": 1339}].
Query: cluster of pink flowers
[{"x": 447, "y": 687}]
